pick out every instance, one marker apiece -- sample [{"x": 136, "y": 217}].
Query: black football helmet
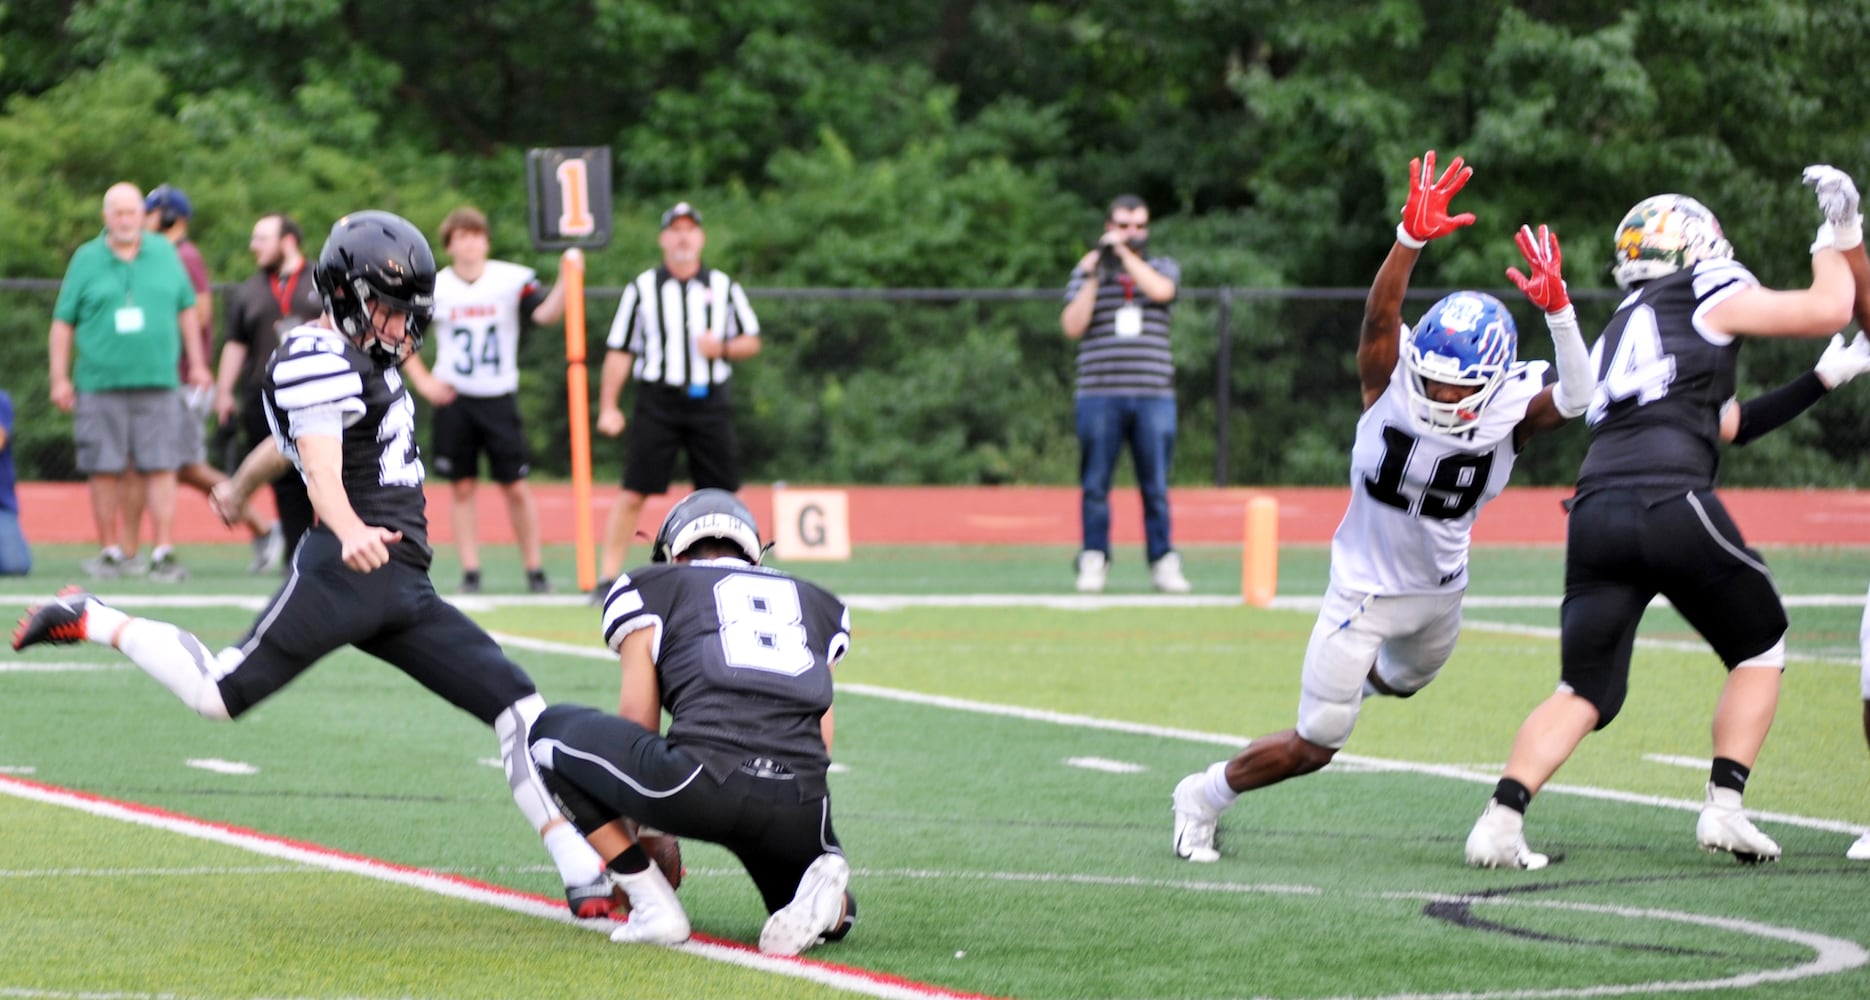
[
  {"x": 382, "y": 257},
  {"x": 708, "y": 513}
]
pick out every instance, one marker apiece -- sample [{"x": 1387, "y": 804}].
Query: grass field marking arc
[{"x": 316, "y": 856}]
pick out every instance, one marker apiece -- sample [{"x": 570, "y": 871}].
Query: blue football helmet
[{"x": 1467, "y": 339}]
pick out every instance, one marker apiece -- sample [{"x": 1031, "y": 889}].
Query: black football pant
[
  {"x": 392, "y": 613},
  {"x": 601, "y": 767}
]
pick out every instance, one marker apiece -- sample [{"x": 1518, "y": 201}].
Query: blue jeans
[
  {"x": 1105, "y": 424},
  {"x": 15, "y": 557}
]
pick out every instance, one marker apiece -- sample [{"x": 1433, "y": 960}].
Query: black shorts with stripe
[
  {"x": 1624, "y": 547},
  {"x": 392, "y": 613},
  {"x": 601, "y": 767},
  {"x": 475, "y": 425}
]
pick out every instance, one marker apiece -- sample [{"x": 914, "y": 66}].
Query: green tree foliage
[{"x": 835, "y": 144}]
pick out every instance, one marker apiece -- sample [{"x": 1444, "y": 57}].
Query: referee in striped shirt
[{"x": 678, "y": 331}]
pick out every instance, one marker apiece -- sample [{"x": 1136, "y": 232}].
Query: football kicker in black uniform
[
  {"x": 340, "y": 414},
  {"x": 741, "y": 657}
]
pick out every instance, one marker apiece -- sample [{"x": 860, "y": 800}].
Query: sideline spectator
[
  {"x": 678, "y": 330},
  {"x": 276, "y": 298},
  {"x": 1117, "y": 307},
  {"x": 126, "y": 311},
  {"x": 479, "y": 306},
  {"x": 15, "y": 555},
  {"x": 169, "y": 213}
]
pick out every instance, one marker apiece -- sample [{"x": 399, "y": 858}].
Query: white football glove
[
  {"x": 1837, "y": 199},
  {"x": 1839, "y": 363}
]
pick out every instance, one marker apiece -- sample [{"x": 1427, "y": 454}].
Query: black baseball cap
[{"x": 679, "y": 210}]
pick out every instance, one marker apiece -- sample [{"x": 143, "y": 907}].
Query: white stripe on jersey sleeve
[
  {"x": 325, "y": 419},
  {"x": 1711, "y": 275},
  {"x": 347, "y": 388},
  {"x": 310, "y": 364},
  {"x": 623, "y": 612}
]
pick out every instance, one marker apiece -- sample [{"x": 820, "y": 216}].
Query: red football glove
[
  {"x": 1546, "y": 286},
  {"x": 1425, "y": 215}
]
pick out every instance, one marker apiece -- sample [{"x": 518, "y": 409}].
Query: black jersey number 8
[{"x": 762, "y": 624}]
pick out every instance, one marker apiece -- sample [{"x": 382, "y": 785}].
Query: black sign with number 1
[{"x": 568, "y": 197}]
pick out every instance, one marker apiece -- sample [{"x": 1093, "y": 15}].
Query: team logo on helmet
[
  {"x": 1466, "y": 340},
  {"x": 1664, "y": 234}
]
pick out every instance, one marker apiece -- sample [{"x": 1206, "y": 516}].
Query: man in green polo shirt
[{"x": 127, "y": 309}]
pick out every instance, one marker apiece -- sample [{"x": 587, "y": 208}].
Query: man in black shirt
[
  {"x": 741, "y": 657},
  {"x": 277, "y": 298},
  {"x": 1646, "y": 519},
  {"x": 341, "y": 414}
]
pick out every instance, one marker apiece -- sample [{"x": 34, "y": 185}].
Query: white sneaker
[
  {"x": 815, "y": 909},
  {"x": 1498, "y": 840},
  {"x": 1723, "y": 827},
  {"x": 656, "y": 916},
  {"x": 268, "y": 550},
  {"x": 1194, "y": 821},
  {"x": 1166, "y": 574},
  {"x": 1860, "y": 851},
  {"x": 1093, "y": 568}
]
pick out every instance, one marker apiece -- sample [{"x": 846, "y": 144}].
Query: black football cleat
[
  {"x": 593, "y": 901},
  {"x": 59, "y": 621}
]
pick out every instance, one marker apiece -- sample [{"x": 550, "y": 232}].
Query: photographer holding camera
[{"x": 1117, "y": 308}]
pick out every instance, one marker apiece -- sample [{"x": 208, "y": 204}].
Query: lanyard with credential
[{"x": 283, "y": 291}]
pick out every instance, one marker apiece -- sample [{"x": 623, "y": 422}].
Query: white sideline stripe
[
  {"x": 1106, "y": 765},
  {"x": 58, "y": 667},
  {"x": 214, "y": 870},
  {"x": 18, "y": 769},
  {"x": 219, "y": 766},
  {"x": 1701, "y": 763},
  {"x": 855, "y": 980},
  {"x": 896, "y": 602},
  {"x": 1455, "y": 772}
]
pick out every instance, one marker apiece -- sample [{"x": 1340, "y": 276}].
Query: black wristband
[{"x": 1768, "y": 412}]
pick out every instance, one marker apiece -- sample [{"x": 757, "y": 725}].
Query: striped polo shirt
[{"x": 1137, "y": 364}]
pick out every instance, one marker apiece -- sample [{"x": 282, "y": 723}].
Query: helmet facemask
[
  {"x": 368, "y": 328},
  {"x": 1466, "y": 340}
]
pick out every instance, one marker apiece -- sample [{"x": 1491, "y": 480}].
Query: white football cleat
[
  {"x": 1498, "y": 840},
  {"x": 656, "y": 916},
  {"x": 1723, "y": 827},
  {"x": 1194, "y": 821},
  {"x": 816, "y": 908},
  {"x": 1860, "y": 851},
  {"x": 1093, "y": 569}
]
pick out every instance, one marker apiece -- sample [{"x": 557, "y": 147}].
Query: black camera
[{"x": 1109, "y": 265}]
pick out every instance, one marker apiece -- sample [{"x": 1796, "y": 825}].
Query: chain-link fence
[{"x": 971, "y": 386}]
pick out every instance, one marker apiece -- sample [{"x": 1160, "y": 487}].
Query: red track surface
[{"x": 61, "y": 512}]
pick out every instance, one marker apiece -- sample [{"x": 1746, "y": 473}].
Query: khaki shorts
[{"x": 147, "y": 427}]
